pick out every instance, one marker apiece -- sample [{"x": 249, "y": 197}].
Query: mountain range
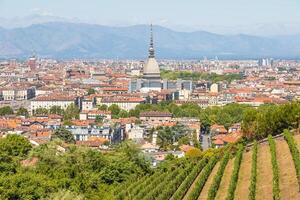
[{"x": 66, "y": 40}]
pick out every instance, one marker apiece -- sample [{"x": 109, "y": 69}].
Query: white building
[
  {"x": 125, "y": 103},
  {"x": 52, "y": 100}
]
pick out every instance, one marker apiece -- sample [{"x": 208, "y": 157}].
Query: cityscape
[{"x": 147, "y": 122}]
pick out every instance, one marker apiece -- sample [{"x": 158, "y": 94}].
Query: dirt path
[
  {"x": 288, "y": 183},
  {"x": 242, "y": 189},
  {"x": 204, "y": 192},
  {"x": 222, "y": 191},
  {"x": 264, "y": 173}
]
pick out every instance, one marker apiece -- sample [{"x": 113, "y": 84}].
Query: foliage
[
  {"x": 203, "y": 178},
  {"x": 188, "y": 181},
  {"x": 41, "y": 111},
  {"x": 167, "y": 136},
  {"x": 91, "y": 91},
  {"x": 71, "y": 112},
  {"x": 193, "y": 153},
  {"x": 187, "y": 75},
  {"x": 64, "y": 134},
  {"x": 102, "y": 107},
  {"x": 22, "y": 112},
  {"x": 168, "y": 188},
  {"x": 14, "y": 145},
  {"x": 65, "y": 195},
  {"x": 272, "y": 119},
  {"x": 115, "y": 110},
  {"x": 275, "y": 169},
  {"x": 294, "y": 152},
  {"x": 218, "y": 177},
  {"x": 235, "y": 173},
  {"x": 56, "y": 110},
  {"x": 252, "y": 187},
  {"x": 6, "y": 110}
]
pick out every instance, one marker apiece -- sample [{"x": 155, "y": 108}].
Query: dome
[{"x": 151, "y": 69}]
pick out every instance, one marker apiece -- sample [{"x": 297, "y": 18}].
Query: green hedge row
[
  {"x": 294, "y": 151},
  {"x": 276, "y": 191},
  {"x": 235, "y": 173},
  {"x": 121, "y": 193},
  {"x": 155, "y": 188},
  {"x": 170, "y": 187},
  {"x": 252, "y": 187},
  {"x": 218, "y": 177},
  {"x": 203, "y": 178},
  {"x": 188, "y": 181}
]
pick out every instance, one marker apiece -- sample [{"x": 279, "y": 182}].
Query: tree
[
  {"x": 71, "y": 112},
  {"x": 102, "y": 107},
  {"x": 99, "y": 119},
  {"x": 6, "y": 110},
  {"x": 64, "y": 135},
  {"x": 194, "y": 153},
  {"x": 56, "y": 110},
  {"x": 91, "y": 91},
  {"x": 114, "y": 109},
  {"x": 15, "y": 145},
  {"x": 41, "y": 111},
  {"x": 22, "y": 112}
]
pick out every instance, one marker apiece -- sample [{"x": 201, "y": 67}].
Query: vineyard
[{"x": 268, "y": 169}]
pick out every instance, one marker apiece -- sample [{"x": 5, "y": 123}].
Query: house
[
  {"x": 93, "y": 114},
  {"x": 155, "y": 117},
  {"x": 136, "y": 133},
  {"x": 217, "y": 129}
]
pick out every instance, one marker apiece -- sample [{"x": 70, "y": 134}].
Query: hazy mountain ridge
[{"x": 70, "y": 40}]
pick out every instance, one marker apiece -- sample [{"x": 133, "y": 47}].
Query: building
[
  {"x": 18, "y": 93},
  {"x": 49, "y": 101},
  {"x": 155, "y": 117},
  {"x": 93, "y": 114},
  {"x": 112, "y": 134},
  {"x": 125, "y": 103}
]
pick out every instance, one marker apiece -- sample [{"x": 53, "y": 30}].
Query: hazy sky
[{"x": 164, "y": 12}]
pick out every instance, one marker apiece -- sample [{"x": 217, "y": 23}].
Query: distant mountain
[{"x": 79, "y": 40}]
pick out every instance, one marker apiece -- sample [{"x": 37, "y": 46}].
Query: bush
[
  {"x": 203, "y": 178},
  {"x": 252, "y": 187},
  {"x": 218, "y": 177},
  {"x": 235, "y": 173},
  {"x": 294, "y": 151},
  {"x": 276, "y": 191},
  {"x": 188, "y": 181}
]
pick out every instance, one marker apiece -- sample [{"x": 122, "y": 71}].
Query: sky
[{"x": 179, "y": 14}]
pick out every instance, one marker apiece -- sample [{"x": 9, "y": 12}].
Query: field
[{"x": 274, "y": 175}]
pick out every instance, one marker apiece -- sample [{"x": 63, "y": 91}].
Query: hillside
[
  {"x": 264, "y": 170},
  {"x": 79, "y": 40}
]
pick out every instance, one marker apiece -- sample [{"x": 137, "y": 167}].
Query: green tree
[
  {"x": 71, "y": 112},
  {"x": 115, "y": 110},
  {"x": 56, "y": 110},
  {"x": 14, "y": 145},
  {"x": 102, "y": 107},
  {"x": 41, "y": 111},
  {"x": 22, "y": 112},
  {"x": 91, "y": 91},
  {"x": 64, "y": 135},
  {"x": 6, "y": 110}
]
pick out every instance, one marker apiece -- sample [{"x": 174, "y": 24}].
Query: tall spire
[{"x": 151, "y": 47}]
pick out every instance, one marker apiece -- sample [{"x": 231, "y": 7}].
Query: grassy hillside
[{"x": 268, "y": 169}]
